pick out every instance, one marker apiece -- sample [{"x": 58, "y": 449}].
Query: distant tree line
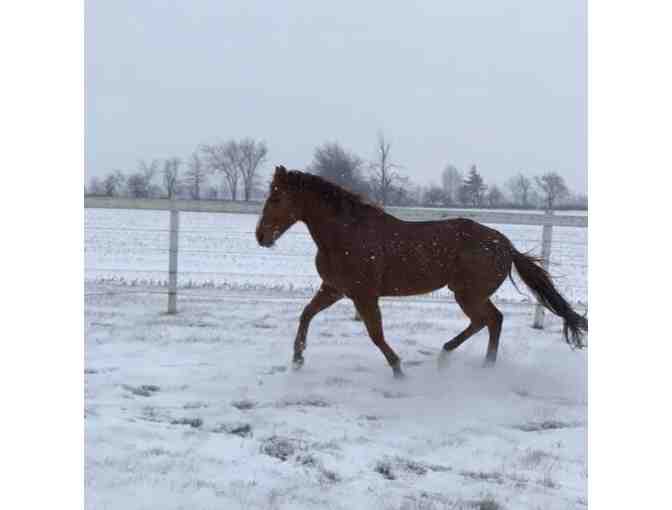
[
  {"x": 228, "y": 169},
  {"x": 543, "y": 191},
  {"x": 232, "y": 170}
]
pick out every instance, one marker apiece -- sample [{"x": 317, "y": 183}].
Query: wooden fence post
[
  {"x": 546, "y": 242},
  {"x": 172, "y": 260}
]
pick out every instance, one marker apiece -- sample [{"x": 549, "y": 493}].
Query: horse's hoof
[
  {"x": 488, "y": 363},
  {"x": 297, "y": 364},
  {"x": 397, "y": 372}
]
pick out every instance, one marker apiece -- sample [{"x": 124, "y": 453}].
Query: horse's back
[{"x": 459, "y": 253}]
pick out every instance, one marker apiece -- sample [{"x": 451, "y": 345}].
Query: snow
[{"x": 201, "y": 410}]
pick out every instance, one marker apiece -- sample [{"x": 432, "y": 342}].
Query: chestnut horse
[{"x": 364, "y": 253}]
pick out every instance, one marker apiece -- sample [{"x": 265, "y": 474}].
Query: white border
[
  {"x": 41, "y": 127},
  {"x": 629, "y": 283}
]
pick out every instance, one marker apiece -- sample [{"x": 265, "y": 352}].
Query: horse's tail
[{"x": 540, "y": 283}]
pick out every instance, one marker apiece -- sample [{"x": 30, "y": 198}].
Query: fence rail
[
  {"x": 404, "y": 213},
  {"x": 545, "y": 220}
]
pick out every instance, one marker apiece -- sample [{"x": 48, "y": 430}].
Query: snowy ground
[
  {"x": 200, "y": 410},
  {"x": 220, "y": 250}
]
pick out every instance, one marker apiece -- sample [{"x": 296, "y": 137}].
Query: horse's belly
[
  {"x": 411, "y": 290},
  {"x": 410, "y": 281}
]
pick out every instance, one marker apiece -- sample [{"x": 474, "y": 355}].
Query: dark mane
[{"x": 342, "y": 200}]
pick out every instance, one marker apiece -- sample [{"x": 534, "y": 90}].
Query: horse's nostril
[{"x": 263, "y": 239}]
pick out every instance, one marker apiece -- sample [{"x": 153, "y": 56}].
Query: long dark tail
[{"x": 540, "y": 283}]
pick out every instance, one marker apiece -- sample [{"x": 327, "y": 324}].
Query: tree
[
  {"x": 383, "y": 177},
  {"x": 171, "y": 179},
  {"x": 494, "y": 196},
  {"x": 401, "y": 194},
  {"x": 250, "y": 155},
  {"x": 552, "y": 187},
  {"x": 238, "y": 162},
  {"x": 171, "y": 176},
  {"x": 520, "y": 187},
  {"x": 415, "y": 193},
  {"x": 113, "y": 183},
  {"x": 451, "y": 178},
  {"x": 473, "y": 190},
  {"x": 136, "y": 185},
  {"x": 148, "y": 170},
  {"x": 223, "y": 158},
  {"x": 335, "y": 164},
  {"x": 195, "y": 176},
  {"x": 95, "y": 187},
  {"x": 139, "y": 184},
  {"x": 435, "y": 197}
]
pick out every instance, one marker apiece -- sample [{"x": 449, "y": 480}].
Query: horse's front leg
[
  {"x": 325, "y": 297},
  {"x": 370, "y": 311}
]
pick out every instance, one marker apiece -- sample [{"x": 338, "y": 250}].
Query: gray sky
[{"x": 499, "y": 84}]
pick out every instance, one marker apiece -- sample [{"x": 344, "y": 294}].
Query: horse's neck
[
  {"x": 321, "y": 229},
  {"x": 325, "y": 227}
]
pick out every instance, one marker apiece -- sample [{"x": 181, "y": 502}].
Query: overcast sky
[{"x": 498, "y": 84}]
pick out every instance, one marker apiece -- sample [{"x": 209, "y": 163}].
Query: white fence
[{"x": 546, "y": 221}]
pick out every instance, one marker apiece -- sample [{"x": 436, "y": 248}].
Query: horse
[{"x": 363, "y": 253}]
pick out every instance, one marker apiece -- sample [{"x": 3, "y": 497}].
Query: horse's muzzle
[{"x": 264, "y": 238}]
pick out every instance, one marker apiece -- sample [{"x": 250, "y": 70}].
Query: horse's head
[{"x": 281, "y": 210}]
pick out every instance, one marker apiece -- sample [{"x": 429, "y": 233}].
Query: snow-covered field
[
  {"x": 219, "y": 250},
  {"x": 200, "y": 410}
]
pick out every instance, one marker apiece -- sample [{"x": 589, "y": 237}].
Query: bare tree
[
  {"x": 144, "y": 179},
  {"x": 451, "y": 179},
  {"x": 339, "y": 166},
  {"x": 222, "y": 158},
  {"x": 401, "y": 194},
  {"x": 149, "y": 170},
  {"x": 494, "y": 196},
  {"x": 171, "y": 179},
  {"x": 435, "y": 196},
  {"x": 113, "y": 183},
  {"x": 520, "y": 187},
  {"x": 195, "y": 177},
  {"x": 136, "y": 185},
  {"x": 250, "y": 156},
  {"x": 552, "y": 187},
  {"x": 383, "y": 177},
  {"x": 416, "y": 193}
]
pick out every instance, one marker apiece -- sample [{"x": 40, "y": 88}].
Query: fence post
[
  {"x": 546, "y": 242},
  {"x": 172, "y": 260}
]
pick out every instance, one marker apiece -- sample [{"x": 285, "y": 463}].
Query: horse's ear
[{"x": 280, "y": 171}]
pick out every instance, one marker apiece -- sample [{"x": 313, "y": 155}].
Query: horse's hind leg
[
  {"x": 325, "y": 297},
  {"x": 494, "y": 323},
  {"x": 478, "y": 315},
  {"x": 481, "y": 314}
]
